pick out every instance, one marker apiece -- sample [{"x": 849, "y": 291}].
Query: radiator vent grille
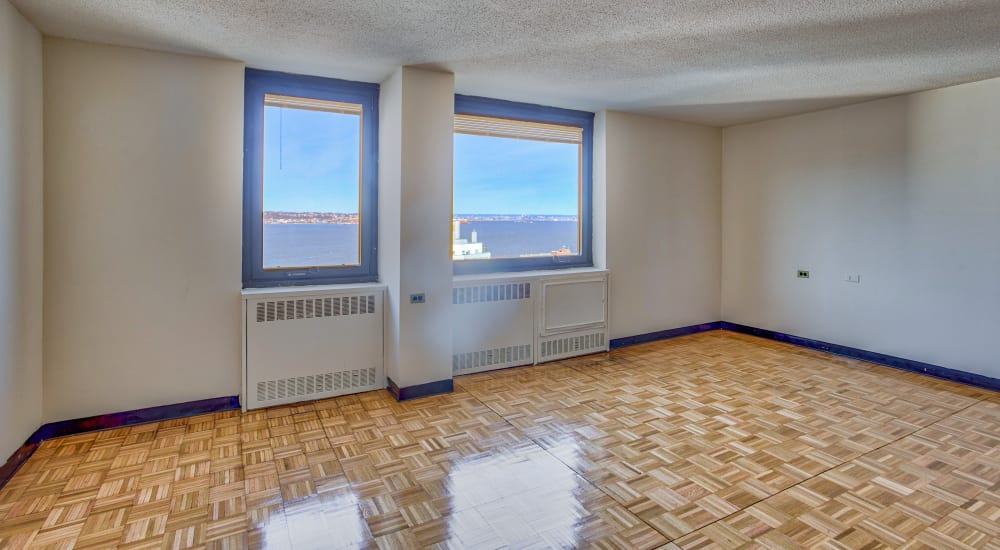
[
  {"x": 501, "y": 292},
  {"x": 572, "y": 344},
  {"x": 268, "y": 390},
  {"x": 461, "y": 362},
  {"x": 310, "y": 308}
]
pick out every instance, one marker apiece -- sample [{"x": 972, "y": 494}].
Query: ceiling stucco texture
[{"x": 717, "y": 62}]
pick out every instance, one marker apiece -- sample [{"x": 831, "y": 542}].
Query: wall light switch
[{"x": 417, "y": 298}]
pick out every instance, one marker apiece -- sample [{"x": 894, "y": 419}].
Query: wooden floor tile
[{"x": 716, "y": 440}]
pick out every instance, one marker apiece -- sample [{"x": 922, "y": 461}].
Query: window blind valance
[
  {"x": 517, "y": 129},
  {"x": 322, "y": 105}
]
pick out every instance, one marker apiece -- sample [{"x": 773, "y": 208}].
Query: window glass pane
[
  {"x": 312, "y": 183},
  {"x": 515, "y": 198}
]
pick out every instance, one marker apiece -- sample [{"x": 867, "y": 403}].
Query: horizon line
[{"x": 457, "y": 214}]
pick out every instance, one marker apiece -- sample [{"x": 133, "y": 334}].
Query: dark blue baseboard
[
  {"x": 20, "y": 456},
  {"x": 113, "y": 420},
  {"x": 663, "y": 334},
  {"x": 420, "y": 390},
  {"x": 131, "y": 418},
  {"x": 937, "y": 371}
]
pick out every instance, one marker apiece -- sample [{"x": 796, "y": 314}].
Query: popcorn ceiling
[{"x": 709, "y": 61}]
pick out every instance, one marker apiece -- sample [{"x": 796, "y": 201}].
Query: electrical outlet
[
  {"x": 853, "y": 278},
  {"x": 803, "y": 274},
  {"x": 417, "y": 298}
]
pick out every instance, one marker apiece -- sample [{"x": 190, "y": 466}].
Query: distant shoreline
[
  {"x": 511, "y": 218},
  {"x": 345, "y": 218},
  {"x": 337, "y": 243},
  {"x": 267, "y": 222}
]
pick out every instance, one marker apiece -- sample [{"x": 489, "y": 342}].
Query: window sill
[
  {"x": 304, "y": 290},
  {"x": 537, "y": 274}
]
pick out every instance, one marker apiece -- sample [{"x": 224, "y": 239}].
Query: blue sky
[
  {"x": 311, "y": 161},
  {"x": 311, "y": 165},
  {"x": 515, "y": 176}
]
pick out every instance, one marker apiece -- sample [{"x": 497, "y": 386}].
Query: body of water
[
  {"x": 306, "y": 245},
  {"x": 511, "y": 239}
]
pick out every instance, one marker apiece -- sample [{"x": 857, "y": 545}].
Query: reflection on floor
[{"x": 713, "y": 440}]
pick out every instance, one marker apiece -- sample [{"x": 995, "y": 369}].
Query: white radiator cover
[
  {"x": 492, "y": 321},
  {"x": 311, "y": 343},
  {"x": 572, "y": 314},
  {"x": 527, "y": 318}
]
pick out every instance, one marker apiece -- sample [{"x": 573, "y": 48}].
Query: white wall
[
  {"x": 390, "y": 196},
  {"x": 415, "y": 197},
  {"x": 143, "y": 202},
  {"x": 661, "y": 180},
  {"x": 599, "y": 197},
  {"x": 20, "y": 230},
  {"x": 903, "y": 191}
]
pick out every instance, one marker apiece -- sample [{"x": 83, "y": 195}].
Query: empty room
[{"x": 320, "y": 274}]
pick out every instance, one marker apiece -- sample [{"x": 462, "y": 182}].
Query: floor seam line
[
  {"x": 570, "y": 468},
  {"x": 574, "y": 470},
  {"x": 830, "y": 468},
  {"x": 669, "y": 539}
]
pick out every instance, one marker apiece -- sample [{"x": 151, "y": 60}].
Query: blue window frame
[
  {"x": 526, "y": 239},
  {"x": 311, "y": 237}
]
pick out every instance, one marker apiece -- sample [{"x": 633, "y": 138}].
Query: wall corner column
[{"x": 416, "y": 144}]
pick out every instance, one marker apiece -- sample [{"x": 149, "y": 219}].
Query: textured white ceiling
[{"x": 717, "y": 62}]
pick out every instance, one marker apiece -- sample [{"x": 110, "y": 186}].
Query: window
[
  {"x": 310, "y": 180},
  {"x": 522, "y": 187}
]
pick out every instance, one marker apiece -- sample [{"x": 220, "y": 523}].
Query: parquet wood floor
[{"x": 715, "y": 440}]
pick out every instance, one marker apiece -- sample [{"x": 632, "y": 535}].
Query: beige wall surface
[
  {"x": 903, "y": 191},
  {"x": 415, "y": 194},
  {"x": 661, "y": 183},
  {"x": 143, "y": 202},
  {"x": 425, "y": 225},
  {"x": 20, "y": 230},
  {"x": 390, "y": 196}
]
